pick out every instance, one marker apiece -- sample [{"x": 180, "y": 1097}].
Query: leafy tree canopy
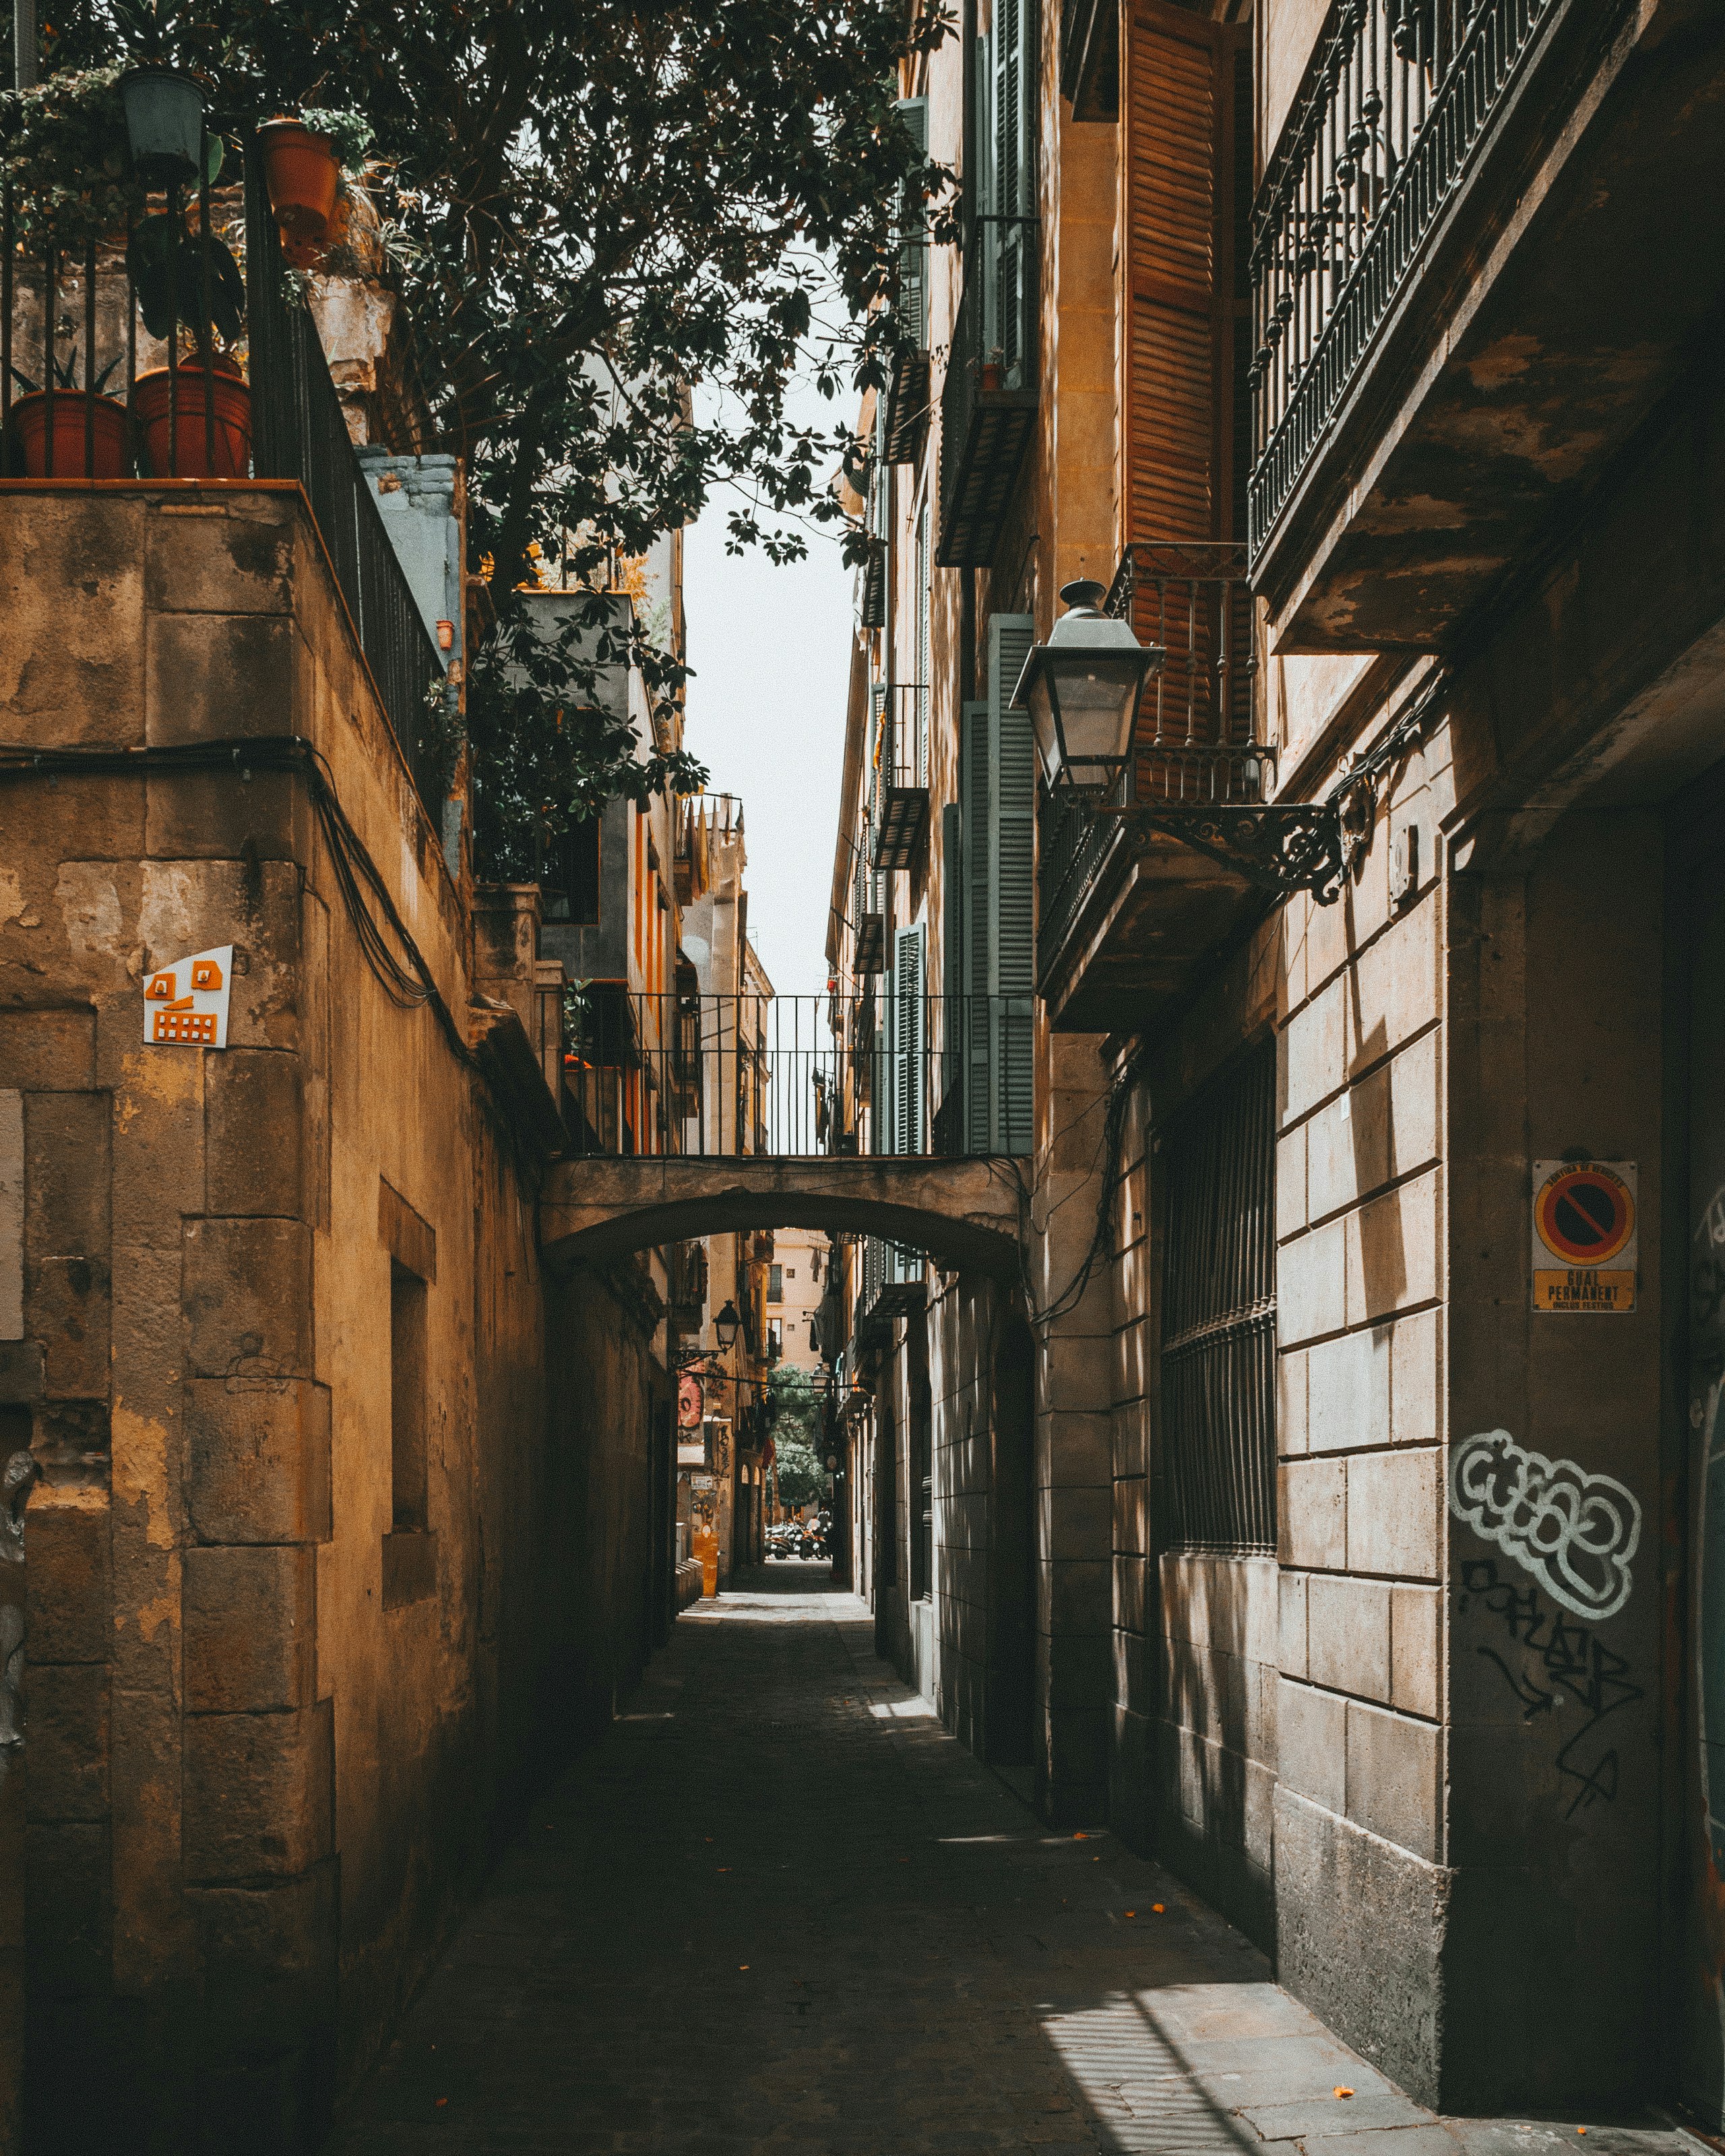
[
  {"x": 802, "y": 1479},
  {"x": 612, "y": 225},
  {"x": 796, "y": 1401}
]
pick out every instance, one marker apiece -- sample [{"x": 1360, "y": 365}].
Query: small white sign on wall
[{"x": 186, "y": 1004}]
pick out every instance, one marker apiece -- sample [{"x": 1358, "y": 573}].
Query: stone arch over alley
[{"x": 965, "y": 1214}]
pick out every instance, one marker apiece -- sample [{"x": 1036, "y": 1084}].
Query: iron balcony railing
[
  {"x": 988, "y": 399},
  {"x": 900, "y": 773},
  {"x": 1197, "y": 739},
  {"x": 232, "y": 385},
  {"x": 893, "y": 1283},
  {"x": 1398, "y": 99},
  {"x": 733, "y": 1076}
]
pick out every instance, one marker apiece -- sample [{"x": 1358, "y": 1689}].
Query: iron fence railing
[
  {"x": 1399, "y": 99},
  {"x": 732, "y": 1076},
  {"x": 235, "y": 386}
]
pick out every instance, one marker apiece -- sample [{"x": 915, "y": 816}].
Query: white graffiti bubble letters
[{"x": 1575, "y": 1531}]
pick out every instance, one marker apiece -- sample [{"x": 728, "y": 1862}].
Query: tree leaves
[{"x": 613, "y": 227}]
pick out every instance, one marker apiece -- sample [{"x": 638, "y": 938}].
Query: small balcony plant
[
  {"x": 90, "y": 432},
  {"x": 71, "y": 190},
  {"x": 170, "y": 274},
  {"x": 304, "y": 160}
]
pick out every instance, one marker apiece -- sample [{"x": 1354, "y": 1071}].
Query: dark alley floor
[{"x": 778, "y": 1908}]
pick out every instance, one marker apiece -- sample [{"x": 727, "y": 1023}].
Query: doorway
[{"x": 1012, "y": 1553}]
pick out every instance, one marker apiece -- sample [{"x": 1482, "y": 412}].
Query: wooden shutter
[
  {"x": 913, "y": 248},
  {"x": 1013, "y": 840},
  {"x": 952, "y": 901},
  {"x": 1186, "y": 331},
  {"x": 975, "y": 798},
  {"x": 910, "y": 973},
  {"x": 881, "y": 1080},
  {"x": 1010, "y": 637},
  {"x": 925, "y": 653},
  {"x": 997, "y": 802},
  {"x": 1013, "y": 69}
]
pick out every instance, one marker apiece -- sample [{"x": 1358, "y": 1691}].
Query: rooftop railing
[
  {"x": 235, "y": 386},
  {"x": 1399, "y": 98}
]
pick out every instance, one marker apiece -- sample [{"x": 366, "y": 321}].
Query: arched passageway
[{"x": 963, "y": 1213}]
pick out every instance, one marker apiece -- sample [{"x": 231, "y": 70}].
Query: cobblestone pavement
[{"x": 778, "y": 1908}]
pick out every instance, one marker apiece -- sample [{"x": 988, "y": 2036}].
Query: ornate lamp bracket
[
  {"x": 1287, "y": 846},
  {"x": 1282, "y": 847}
]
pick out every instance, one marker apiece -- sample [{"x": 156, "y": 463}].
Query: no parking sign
[{"x": 1585, "y": 1237}]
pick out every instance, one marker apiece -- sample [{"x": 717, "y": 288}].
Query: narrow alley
[{"x": 778, "y": 1907}]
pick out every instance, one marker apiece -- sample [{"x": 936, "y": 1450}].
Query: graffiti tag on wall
[
  {"x": 1575, "y": 1533},
  {"x": 1557, "y": 1661}
]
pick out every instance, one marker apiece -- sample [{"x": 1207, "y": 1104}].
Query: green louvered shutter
[
  {"x": 880, "y": 1084},
  {"x": 975, "y": 798},
  {"x": 925, "y": 648},
  {"x": 910, "y": 975},
  {"x": 1006, "y": 195},
  {"x": 948, "y": 1041},
  {"x": 913, "y": 252},
  {"x": 1012, "y": 844}
]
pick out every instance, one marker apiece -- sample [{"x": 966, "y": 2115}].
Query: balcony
[
  {"x": 893, "y": 1284},
  {"x": 235, "y": 390},
  {"x": 988, "y": 399},
  {"x": 901, "y": 776},
  {"x": 1472, "y": 282},
  {"x": 1129, "y": 915}
]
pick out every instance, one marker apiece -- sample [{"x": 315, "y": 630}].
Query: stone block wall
[
  {"x": 262, "y": 1743},
  {"x": 1361, "y": 1282}
]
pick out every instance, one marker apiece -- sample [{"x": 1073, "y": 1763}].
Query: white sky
[{"x": 771, "y": 653}]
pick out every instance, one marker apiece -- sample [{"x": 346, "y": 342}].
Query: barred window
[{"x": 1218, "y": 1156}]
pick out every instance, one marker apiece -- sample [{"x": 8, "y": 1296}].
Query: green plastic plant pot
[{"x": 164, "y": 122}]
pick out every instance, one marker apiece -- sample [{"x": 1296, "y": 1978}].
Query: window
[
  {"x": 573, "y": 875},
  {"x": 409, "y": 1548},
  {"x": 1219, "y": 1314},
  {"x": 407, "y": 1399},
  {"x": 775, "y": 1284}
]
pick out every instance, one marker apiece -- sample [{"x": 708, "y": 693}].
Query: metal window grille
[{"x": 1218, "y": 1314}]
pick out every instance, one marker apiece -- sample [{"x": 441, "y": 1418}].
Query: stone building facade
[
  {"x": 336, "y": 1515},
  {"x": 1309, "y": 1511}
]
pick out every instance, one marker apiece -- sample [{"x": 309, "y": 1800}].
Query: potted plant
[
  {"x": 64, "y": 149},
  {"x": 164, "y": 122},
  {"x": 993, "y": 373},
  {"x": 168, "y": 267},
  {"x": 73, "y": 417},
  {"x": 304, "y": 160}
]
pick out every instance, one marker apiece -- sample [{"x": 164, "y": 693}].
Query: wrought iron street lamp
[
  {"x": 1081, "y": 689},
  {"x": 728, "y": 1325}
]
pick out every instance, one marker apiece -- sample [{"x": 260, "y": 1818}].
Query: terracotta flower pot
[
  {"x": 992, "y": 376},
  {"x": 301, "y": 173},
  {"x": 29, "y": 428},
  {"x": 232, "y": 400}
]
